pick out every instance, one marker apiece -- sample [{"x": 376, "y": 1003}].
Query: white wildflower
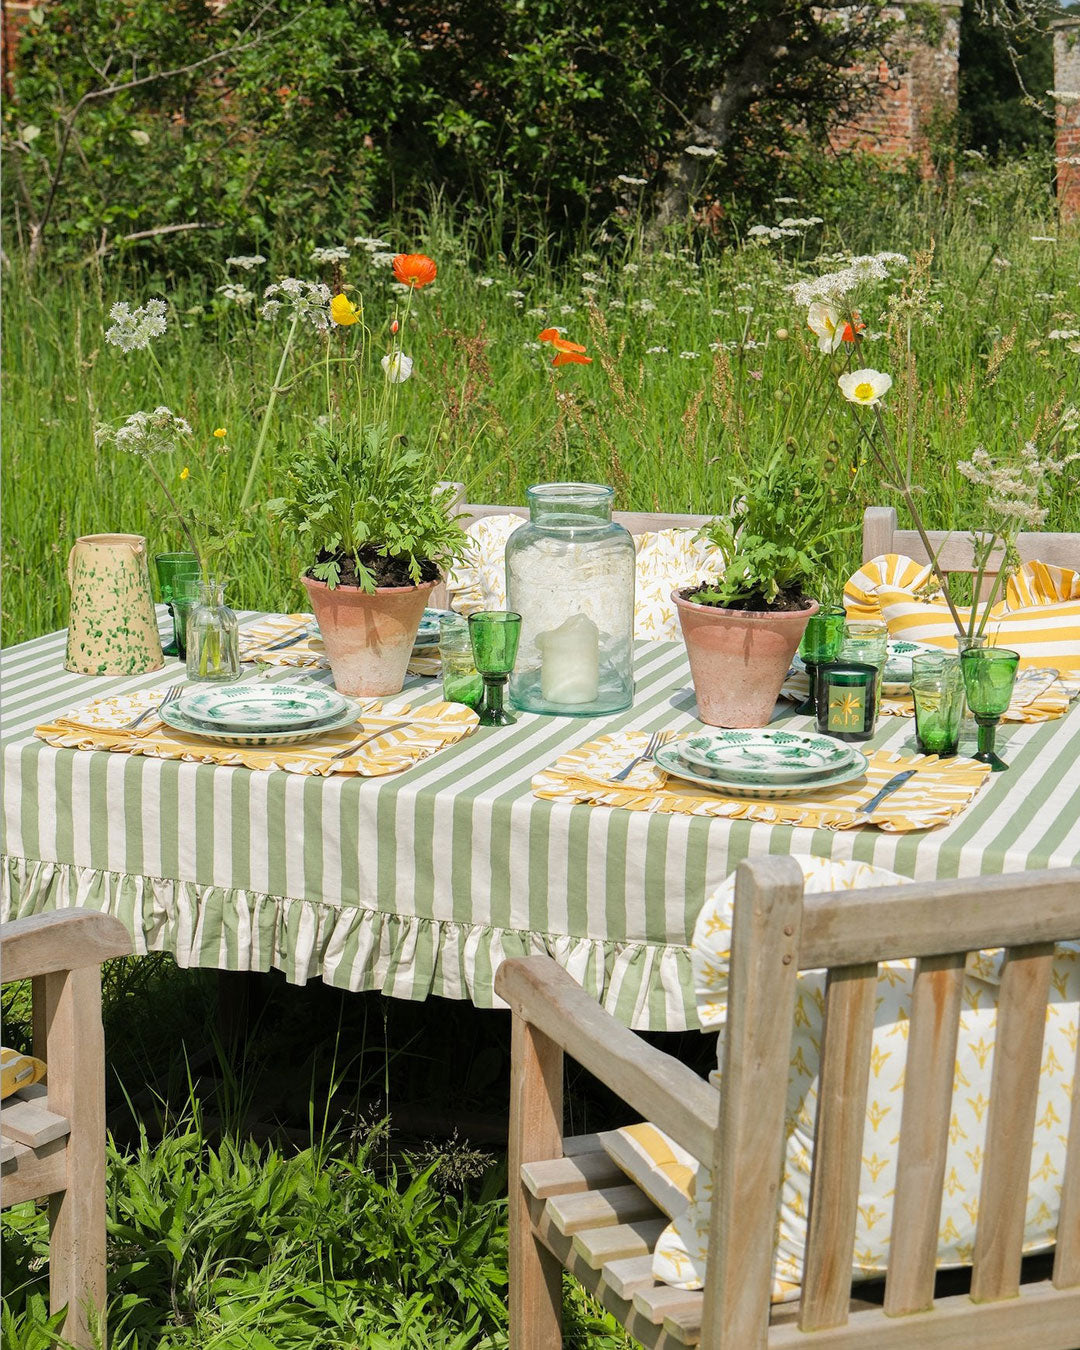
[
  {"x": 1065, "y": 98},
  {"x": 630, "y": 181},
  {"x": 308, "y": 300},
  {"x": 645, "y": 305},
  {"x": 329, "y": 257},
  {"x": 616, "y": 304},
  {"x": 1063, "y": 334},
  {"x": 1067, "y": 159},
  {"x": 485, "y": 282},
  {"x": 1043, "y": 239},
  {"x": 825, "y": 322},
  {"x": 567, "y": 309},
  {"x": 594, "y": 277},
  {"x": 745, "y": 309},
  {"x": 140, "y": 137},
  {"x": 688, "y": 356},
  {"x": 631, "y": 269},
  {"x": 1002, "y": 263},
  {"x": 383, "y": 259},
  {"x": 830, "y": 286},
  {"x": 531, "y": 346},
  {"x": 238, "y": 295},
  {"x": 144, "y": 433},
  {"x": 370, "y": 242},
  {"x": 132, "y": 330},
  {"x": 865, "y": 386},
  {"x": 655, "y": 351},
  {"x": 974, "y": 154},
  {"x": 397, "y": 367},
  {"x": 516, "y": 295},
  {"x": 247, "y": 261},
  {"x": 538, "y": 313},
  {"x": 700, "y": 151}
]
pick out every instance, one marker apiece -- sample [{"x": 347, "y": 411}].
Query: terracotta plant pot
[
  {"x": 368, "y": 636},
  {"x": 739, "y": 658}
]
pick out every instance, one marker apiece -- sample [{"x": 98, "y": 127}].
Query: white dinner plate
[
  {"x": 668, "y": 759},
  {"x": 260, "y": 706},
  {"x": 768, "y": 755},
  {"x": 172, "y": 716}
]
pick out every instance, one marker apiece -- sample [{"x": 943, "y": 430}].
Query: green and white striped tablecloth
[{"x": 423, "y": 882}]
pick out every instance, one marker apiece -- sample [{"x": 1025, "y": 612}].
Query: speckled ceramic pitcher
[{"x": 113, "y": 628}]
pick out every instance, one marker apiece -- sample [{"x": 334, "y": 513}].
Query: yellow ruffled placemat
[
  {"x": 98, "y": 725},
  {"x": 941, "y": 789},
  {"x": 1048, "y": 704},
  {"x": 258, "y": 640}
]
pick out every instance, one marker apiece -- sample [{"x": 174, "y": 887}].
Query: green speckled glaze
[{"x": 112, "y": 629}]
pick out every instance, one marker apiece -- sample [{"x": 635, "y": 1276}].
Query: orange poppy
[
  {"x": 559, "y": 343},
  {"x": 414, "y": 269},
  {"x": 572, "y": 359},
  {"x": 849, "y": 332}
]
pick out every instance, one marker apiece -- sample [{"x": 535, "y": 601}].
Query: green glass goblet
[
  {"x": 820, "y": 646},
  {"x": 989, "y": 676},
  {"x": 185, "y": 596},
  {"x": 170, "y": 568},
  {"x": 495, "y": 635}
]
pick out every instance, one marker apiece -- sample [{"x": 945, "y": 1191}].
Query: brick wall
[
  {"x": 1067, "y": 143},
  {"x": 917, "y": 84}
]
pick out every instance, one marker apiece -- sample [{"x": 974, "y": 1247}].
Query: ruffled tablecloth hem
[{"x": 647, "y": 986}]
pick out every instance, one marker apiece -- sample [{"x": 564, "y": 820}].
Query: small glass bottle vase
[
  {"x": 213, "y": 651},
  {"x": 570, "y": 575}
]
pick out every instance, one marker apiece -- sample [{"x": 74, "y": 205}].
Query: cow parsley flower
[
  {"x": 238, "y": 295},
  {"x": 832, "y": 285},
  {"x": 132, "y": 330},
  {"x": 630, "y": 181},
  {"x": 700, "y": 151},
  {"x": 144, "y": 433},
  {"x": 248, "y": 261},
  {"x": 308, "y": 301},
  {"x": 329, "y": 257}
]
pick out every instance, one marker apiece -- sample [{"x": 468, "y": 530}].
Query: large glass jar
[{"x": 570, "y": 575}]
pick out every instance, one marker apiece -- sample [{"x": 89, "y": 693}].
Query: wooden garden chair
[
  {"x": 881, "y": 534},
  {"x": 570, "y": 1207},
  {"x": 53, "y": 1137}
]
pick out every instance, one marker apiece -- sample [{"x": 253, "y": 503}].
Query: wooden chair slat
[
  {"x": 574, "y": 1144},
  {"x": 31, "y": 1122},
  {"x": 565, "y": 1176},
  {"x": 747, "y": 1157},
  {"x": 850, "y": 999},
  {"x": 954, "y": 548},
  {"x": 1067, "y": 1257},
  {"x": 1014, "y": 1090},
  {"x": 32, "y": 1173},
  {"x": 599, "y": 1209},
  {"x": 658, "y": 1302},
  {"x": 934, "y": 1024},
  {"x": 627, "y": 1274},
  {"x": 598, "y": 1246}
]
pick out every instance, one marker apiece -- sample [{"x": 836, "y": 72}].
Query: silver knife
[{"x": 895, "y": 782}]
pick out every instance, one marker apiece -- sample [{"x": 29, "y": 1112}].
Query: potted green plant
[
  {"x": 378, "y": 530},
  {"x": 742, "y": 630}
]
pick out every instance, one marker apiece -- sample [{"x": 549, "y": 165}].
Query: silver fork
[
  {"x": 656, "y": 740},
  {"x": 351, "y": 749},
  {"x": 171, "y": 695}
]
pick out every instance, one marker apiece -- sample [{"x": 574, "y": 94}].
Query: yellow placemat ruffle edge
[
  {"x": 98, "y": 726},
  {"x": 1053, "y": 702},
  {"x": 938, "y": 792}
]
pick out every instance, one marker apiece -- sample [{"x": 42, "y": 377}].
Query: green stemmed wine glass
[
  {"x": 989, "y": 676},
  {"x": 820, "y": 645},
  {"x": 172, "y": 568},
  {"x": 495, "y": 635}
]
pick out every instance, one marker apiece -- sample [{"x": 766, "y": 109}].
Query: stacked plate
[
  {"x": 762, "y": 763},
  {"x": 897, "y": 678},
  {"x": 259, "y": 714}
]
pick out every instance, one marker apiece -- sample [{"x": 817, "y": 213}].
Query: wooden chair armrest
[
  {"x": 666, "y": 1092},
  {"x": 65, "y": 939}
]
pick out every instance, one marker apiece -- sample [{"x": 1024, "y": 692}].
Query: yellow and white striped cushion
[
  {"x": 1039, "y": 616},
  {"x": 680, "y": 1255},
  {"x": 655, "y": 1162},
  {"x": 18, "y": 1071},
  {"x": 666, "y": 560}
]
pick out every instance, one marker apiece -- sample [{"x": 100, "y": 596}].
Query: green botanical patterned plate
[
  {"x": 668, "y": 759},
  {"x": 173, "y": 717},
  {"x": 764, "y": 755},
  {"x": 260, "y": 707}
]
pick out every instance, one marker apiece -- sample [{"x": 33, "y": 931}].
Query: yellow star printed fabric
[
  {"x": 681, "y": 1252},
  {"x": 99, "y": 725},
  {"x": 941, "y": 789}
]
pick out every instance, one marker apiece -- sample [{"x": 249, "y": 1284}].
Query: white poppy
[
  {"x": 825, "y": 322},
  {"x": 398, "y": 367},
  {"x": 865, "y": 386}
]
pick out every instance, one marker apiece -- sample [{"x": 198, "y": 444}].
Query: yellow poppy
[
  {"x": 343, "y": 311},
  {"x": 219, "y": 432},
  {"x": 185, "y": 472}
]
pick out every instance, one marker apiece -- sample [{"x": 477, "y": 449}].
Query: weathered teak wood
[
  {"x": 954, "y": 548},
  {"x": 936, "y": 996},
  {"x": 1014, "y": 1090},
  {"x": 747, "y": 1151},
  {"x": 536, "y": 1097},
  {"x": 1067, "y": 1256},
  {"x": 564, "y": 1176},
  {"x": 777, "y": 932},
  {"x": 599, "y": 1209},
  {"x": 850, "y": 995},
  {"x": 663, "y": 1090},
  {"x": 62, "y": 1155}
]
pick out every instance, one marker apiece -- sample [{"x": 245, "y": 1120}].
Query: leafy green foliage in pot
[
  {"x": 776, "y": 543},
  {"x": 366, "y": 508}
]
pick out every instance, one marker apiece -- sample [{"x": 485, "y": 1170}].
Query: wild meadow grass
[{"x": 702, "y": 363}]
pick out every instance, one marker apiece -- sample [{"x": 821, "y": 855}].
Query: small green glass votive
[
  {"x": 937, "y": 689},
  {"x": 461, "y": 681},
  {"x": 846, "y": 697}
]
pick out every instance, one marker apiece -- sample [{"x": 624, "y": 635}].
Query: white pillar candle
[{"x": 570, "y": 661}]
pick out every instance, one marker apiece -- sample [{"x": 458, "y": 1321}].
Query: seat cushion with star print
[{"x": 681, "y": 1251}]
